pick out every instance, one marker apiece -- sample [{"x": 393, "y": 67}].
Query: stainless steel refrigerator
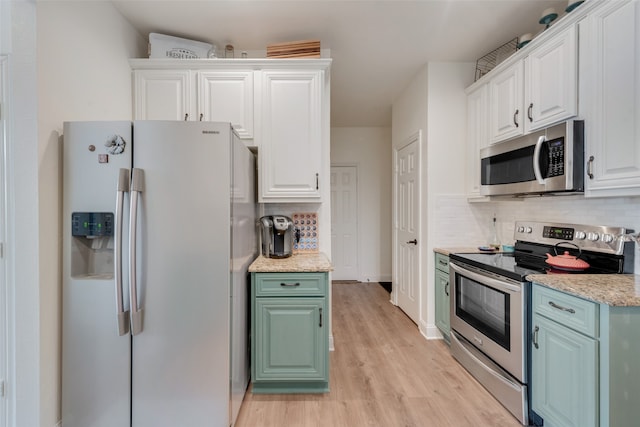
[{"x": 158, "y": 233}]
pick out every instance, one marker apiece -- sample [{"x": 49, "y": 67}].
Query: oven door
[{"x": 489, "y": 311}]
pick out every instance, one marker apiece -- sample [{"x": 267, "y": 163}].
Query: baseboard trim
[{"x": 430, "y": 332}]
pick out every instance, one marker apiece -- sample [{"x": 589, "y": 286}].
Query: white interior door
[
  {"x": 407, "y": 174},
  {"x": 344, "y": 222}
]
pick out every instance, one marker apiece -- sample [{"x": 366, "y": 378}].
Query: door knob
[{"x": 413, "y": 242}]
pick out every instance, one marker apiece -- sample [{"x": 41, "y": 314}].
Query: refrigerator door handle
[
  {"x": 137, "y": 187},
  {"x": 122, "y": 316}
]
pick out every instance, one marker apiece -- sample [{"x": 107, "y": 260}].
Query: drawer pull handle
[
  {"x": 535, "y": 337},
  {"x": 290, "y": 284},
  {"x": 559, "y": 307},
  {"x": 445, "y": 263},
  {"x": 320, "y": 325}
]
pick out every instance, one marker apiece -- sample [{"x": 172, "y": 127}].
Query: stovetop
[
  {"x": 599, "y": 246},
  {"x": 503, "y": 264}
]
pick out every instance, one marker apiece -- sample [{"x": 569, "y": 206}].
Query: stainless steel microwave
[{"x": 547, "y": 161}]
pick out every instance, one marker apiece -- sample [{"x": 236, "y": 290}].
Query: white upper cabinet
[
  {"x": 536, "y": 91},
  {"x": 220, "y": 96},
  {"x": 477, "y": 137},
  {"x": 551, "y": 81},
  {"x": 292, "y": 131},
  {"x": 163, "y": 94},
  {"x": 227, "y": 96},
  {"x": 610, "y": 96},
  {"x": 280, "y": 106},
  {"x": 506, "y": 100}
]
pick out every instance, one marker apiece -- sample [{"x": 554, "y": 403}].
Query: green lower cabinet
[
  {"x": 585, "y": 359},
  {"x": 565, "y": 375},
  {"x": 290, "y": 341},
  {"x": 442, "y": 302},
  {"x": 442, "y": 297}
]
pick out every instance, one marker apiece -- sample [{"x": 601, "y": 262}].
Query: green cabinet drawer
[
  {"x": 442, "y": 263},
  {"x": 290, "y": 284},
  {"x": 573, "y": 312}
]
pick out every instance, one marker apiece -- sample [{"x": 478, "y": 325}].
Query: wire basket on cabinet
[{"x": 488, "y": 62}]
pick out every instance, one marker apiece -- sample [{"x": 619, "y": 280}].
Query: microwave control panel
[{"x": 556, "y": 157}]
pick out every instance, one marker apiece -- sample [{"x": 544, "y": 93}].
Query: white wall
[
  {"x": 369, "y": 148},
  {"x": 19, "y": 42},
  {"x": 434, "y": 103},
  {"x": 83, "y": 74}
]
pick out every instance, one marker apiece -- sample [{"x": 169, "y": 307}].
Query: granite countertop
[
  {"x": 297, "y": 263},
  {"x": 618, "y": 290}
]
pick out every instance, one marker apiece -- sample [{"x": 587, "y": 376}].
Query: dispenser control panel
[{"x": 92, "y": 224}]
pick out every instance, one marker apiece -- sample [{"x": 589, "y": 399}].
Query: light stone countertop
[
  {"x": 297, "y": 263},
  {"x": 618, "y": 290}
]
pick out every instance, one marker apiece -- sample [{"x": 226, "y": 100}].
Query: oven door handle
[
  {"x": 486, "y": 367},
  {"x": 486, "y": 280}
]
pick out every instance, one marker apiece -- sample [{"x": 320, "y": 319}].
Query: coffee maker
[{"x": 277, "y": 234}]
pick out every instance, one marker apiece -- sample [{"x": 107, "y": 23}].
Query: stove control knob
[
  {"x": 528, "y": 230},
  {"x": 607, "y": 238},
  {"x": 581, "y": 235},
  {"x": 521, "y": 229},
  {"x": 593, "y": 236}
]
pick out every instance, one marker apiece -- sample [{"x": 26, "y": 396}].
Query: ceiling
[{"x": 377, "y": 46}]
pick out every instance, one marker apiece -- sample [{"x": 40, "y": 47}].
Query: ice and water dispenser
[{"x": 92, "y": 245}]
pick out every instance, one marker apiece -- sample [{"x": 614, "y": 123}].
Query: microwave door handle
[{"x": 536, "y": 160}]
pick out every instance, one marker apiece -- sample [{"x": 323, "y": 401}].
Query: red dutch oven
[{"x": 566, "y": 261}]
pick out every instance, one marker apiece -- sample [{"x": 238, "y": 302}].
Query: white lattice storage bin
[
  {"x": 163, "y": 46},
  {"x": 307, "y": 223}
]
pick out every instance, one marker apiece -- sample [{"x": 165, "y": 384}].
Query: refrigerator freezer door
[
  {"x": 180, "y": 360},
  {"x": 95, "y": 358},
  {"x": 244, "y": 250}
]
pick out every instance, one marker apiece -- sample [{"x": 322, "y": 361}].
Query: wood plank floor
[{"x": 383, "y": 373}]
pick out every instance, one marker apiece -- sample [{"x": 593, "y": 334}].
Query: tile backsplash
[{"x": 456, "y": 222}]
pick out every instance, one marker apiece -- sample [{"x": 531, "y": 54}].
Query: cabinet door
[
  {"x": 551, "y": 75},
  {"x": 290, "y": 136},
  {"x": 506, "y": 118},
  {"x": 290, "y": 339},
  {"x": 227, "y": 96},
  {"x": 477, "y": 136},
  {"x": 564, "y": 375},
  {"x": 612, "y": 97},
  {"x": 163, "y": 95},
  {"x": 442, "y": 303}
]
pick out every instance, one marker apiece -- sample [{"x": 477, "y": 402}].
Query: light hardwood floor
[{"x": 383, "y": 373}]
